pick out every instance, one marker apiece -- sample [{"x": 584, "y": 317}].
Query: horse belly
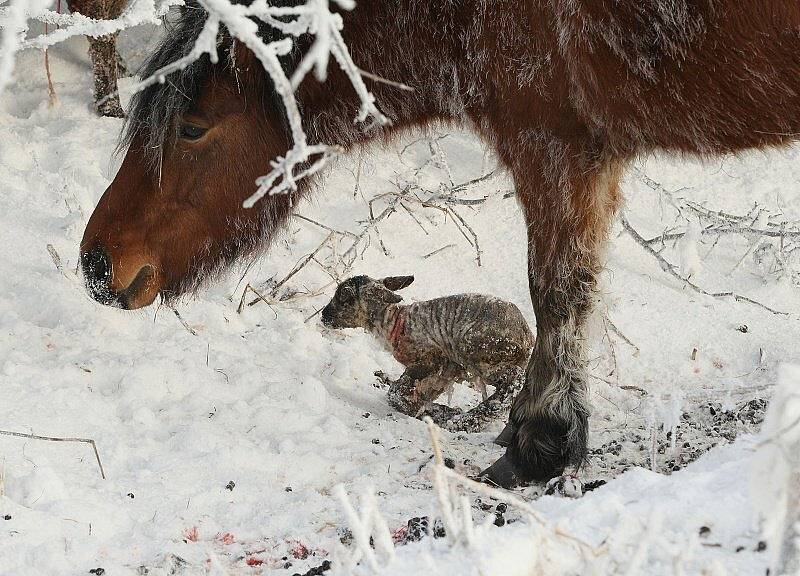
[{"x": 699, "y": 77}]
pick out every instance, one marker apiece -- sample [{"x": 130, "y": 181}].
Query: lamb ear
[
  {"x": 397, "y": 282},
  {"x": 392, "y": 298}
]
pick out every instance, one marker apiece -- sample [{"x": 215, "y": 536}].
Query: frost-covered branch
[
  {"x": 669, "y": 268},
  {"x": 15, "y": 21},
  {"x": 314, "y": 17},
  {"x": 773, "y": 239},
  {"x": 137, "y": 13},
  {"x": 371, "y": 535}
]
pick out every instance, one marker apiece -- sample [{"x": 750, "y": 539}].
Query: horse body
[{"x": 566, "y": 92}]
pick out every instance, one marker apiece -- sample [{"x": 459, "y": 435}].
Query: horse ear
[{"x": 397, "y": 282}]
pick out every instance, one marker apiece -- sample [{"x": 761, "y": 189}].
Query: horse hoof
[
  {"x": 543, "y": 447},
  {"x": 506, "y": 437},
  {"x": 502, "y": 473}
]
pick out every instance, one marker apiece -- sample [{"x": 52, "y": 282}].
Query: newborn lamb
[{"x": 441, "y": 342}]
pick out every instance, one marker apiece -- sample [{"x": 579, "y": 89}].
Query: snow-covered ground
[{"x": 223, "y": 435}]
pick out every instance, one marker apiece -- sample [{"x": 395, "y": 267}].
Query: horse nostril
[{"x": 96, "y": 266}]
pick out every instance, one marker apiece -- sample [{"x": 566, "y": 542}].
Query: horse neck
[{"x": 416, "y": 42}]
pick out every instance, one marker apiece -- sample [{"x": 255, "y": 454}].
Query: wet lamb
[{"x": 441, "y": 342}]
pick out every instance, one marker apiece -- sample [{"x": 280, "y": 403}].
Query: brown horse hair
[{"x": 565, "y": 92}]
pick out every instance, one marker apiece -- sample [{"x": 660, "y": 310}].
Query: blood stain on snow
[
  {"x": 299, "y": 550},
  {"x": 191, "y": 534}
]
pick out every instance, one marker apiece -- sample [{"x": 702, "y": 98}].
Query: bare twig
[
  {"x": 442, "y": 249},
  {"x": 323, "y": 226},
  {"x": 183, "y": 322},
  {"x": 448, "y": 195},
  {"x": 60, "y": 439},
  {"x": 727, "y": 230},
  {"x": 669, "y": 268},
  {"x": 247, "y": 269},
  {"x": 241, "y": 300},
  {"x": 56, "y": 258},
  {"x": 259, "y": 297},
  {"x": 414, "y": 218},
  {"x": 619, "y": 333},
  {"x": 614, "y": 369},
  {"x": 350, "y": 254},
  {"x": 50, "y": 89},
  {"x": 472, "y": 232},
  {"x": 300, "y": 265},
  {"x": 316, "y": 312}
]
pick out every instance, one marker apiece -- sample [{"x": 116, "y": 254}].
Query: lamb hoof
[
  {"x": 466, "y": 423},
  {"x": 401, "y": 404},
  {"x": 442, "y": 415},
  {"x": 382, "y": 377}
]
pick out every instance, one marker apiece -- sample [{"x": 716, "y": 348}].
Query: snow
[
  {"x": 777, "y": 472},
  {"x": 643, "y": 523},
  {"x": 691, "y": 263},
  {"x": 287, "y": 410}
]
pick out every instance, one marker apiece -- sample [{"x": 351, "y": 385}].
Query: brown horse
[{"x": 566, "y": 92}]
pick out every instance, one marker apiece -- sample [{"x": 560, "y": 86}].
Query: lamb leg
[
  {"x": 413, "y": 394},
  {"x": 507, "y": 381}
]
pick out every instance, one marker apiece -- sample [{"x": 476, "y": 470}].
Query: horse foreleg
[{"x": 567, "y": 218}]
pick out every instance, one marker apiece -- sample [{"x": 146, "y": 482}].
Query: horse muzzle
[{"x": 129, "y": 287}]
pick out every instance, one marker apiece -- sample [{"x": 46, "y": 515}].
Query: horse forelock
[{"x": 154, "y": 109}]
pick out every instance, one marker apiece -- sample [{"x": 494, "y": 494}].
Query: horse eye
[{"x": 191, "y": 132}]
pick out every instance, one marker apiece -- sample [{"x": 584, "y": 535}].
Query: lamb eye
[{"x": 191, "y": 132}]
